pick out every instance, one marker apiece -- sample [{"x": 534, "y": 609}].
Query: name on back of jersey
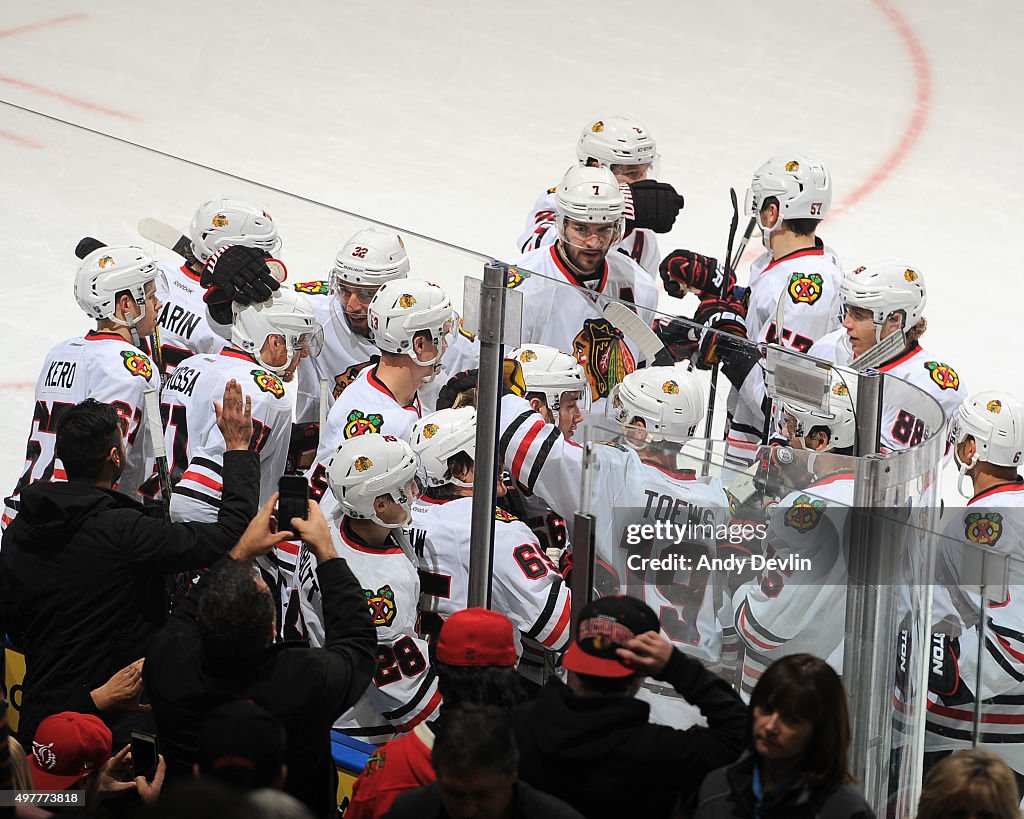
[
  {"x": 183, "y": 380},
  {"x": 60, "y": 374},
  {"x": 178, "y": 320}
]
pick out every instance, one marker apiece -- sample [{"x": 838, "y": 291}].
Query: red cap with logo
[
  {"x": 477, "y": 637},
  {"x": 66, "y": 747}
]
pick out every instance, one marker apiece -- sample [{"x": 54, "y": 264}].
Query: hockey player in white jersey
[
  {"x": 268, "y": 339},
  {"x": 411, "y": 322},
  {"x": 185, "y": 326},
  {"x": 373, "y": 478},
  {"x": 797, "y": 610},
  {"x": 626, "y": 148},
  {"x": 590, "y": 220},
  {"x": 789, "y": 196},
  {"x": 883, "y": 319},
  {"x": 988, "y": 439},
  {"x": 525, "y": 585},
  {"x": 632, "y": 484},
  {"x": 117, "y": 287}
]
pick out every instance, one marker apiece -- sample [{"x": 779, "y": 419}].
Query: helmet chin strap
[
  {"x": 963, "y": 472},
  {"x": 460, "y": 484},
  {"x": 766, "y": 233}
]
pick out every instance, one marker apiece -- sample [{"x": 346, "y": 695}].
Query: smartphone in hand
[
  {"x": 292, "y": 501},
  {"x": 144, "y": 755}
]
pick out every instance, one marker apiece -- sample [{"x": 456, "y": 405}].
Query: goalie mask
[
  {"x": 885, "y": 287},
  {"x": 995, "y": 420},
  {"x": 401, "y": 309},
  {"x": 838, "y": 418},
  {"x": 286, "y": 313},
  {"x": 222, "y": 222},
  {"x": 802, "y": 186},
  {"x": 108, "y": 271},
  {"x": 368, "y": 466},
  {"x": 617, "y": 140},
  {"x": 669, "y": 401},
  {"x": 438, "y": 436}
]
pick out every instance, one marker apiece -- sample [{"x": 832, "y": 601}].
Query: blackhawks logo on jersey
[
  {"x": 343, "y": 379},
  {"x": 375, "y": 762},
  {"x": 503, "y": 516},
  {"x": 268, "y": 382},
  {"x": 804, "y": 288},
  {"x": 317, "y": 288},
  {"x": 359, "y": 424},
  {"x": 382, "y": 605},
  {"x": 137, "y": 364},
  {"x": 983, "y": 527},
  {"x": 603, "y": 354},
  {"x": 943, "y": 375},
  {"x": 804, "y": 514}
]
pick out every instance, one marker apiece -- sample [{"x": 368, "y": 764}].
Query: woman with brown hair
[
  {"x": 796, "y": 765},
  {"x": 969, "y": 783}
]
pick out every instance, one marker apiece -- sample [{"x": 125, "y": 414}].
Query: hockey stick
[
  {"x": 634, "y": 328},
  {"x": 730, "y": 267},
  {"x": 156, "y": 433},
  {"x": 166, "y": 236}
]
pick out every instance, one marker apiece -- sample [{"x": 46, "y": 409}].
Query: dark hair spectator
[
  {"x": 969, "y": 783},
  {"x": 585, "y": 742},
  {"x": 236, "y": 615},
  {"x": 86, "y": 433},
  {"x": 797, "y": 762},
  {"x": 476, "y": 760}
]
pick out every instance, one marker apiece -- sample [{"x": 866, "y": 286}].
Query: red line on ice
[
  {"x": 67, "y": 18},
  {"x": 18, "y": 385},
  {"x": 49, "y": 92},
  {"x": 20, "y": 140}
]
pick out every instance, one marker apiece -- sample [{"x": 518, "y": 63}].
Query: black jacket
[
  {"x": 603, "y": 757},
  {"x": 82, "y": 580},
  {"x": 728, "y": 793},
  {"x": 527, "y": 802},
  {"x": 307, "y": 689}
]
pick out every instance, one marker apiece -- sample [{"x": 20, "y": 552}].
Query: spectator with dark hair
[
  {"x": 797, "y": 763},
  {"x": 219, "y": 646},
  {"x": 585, "y": 742},
  {"x": 477, "y": 762},
  {"x": 969, "y": 783},
  {"x": 475, "y": 661},
  {"x": 82, "y": 566}
]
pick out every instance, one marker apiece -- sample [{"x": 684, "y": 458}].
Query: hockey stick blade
[
  {"x": 634, "y": 328},
  {"x": 166, "y": 236}
]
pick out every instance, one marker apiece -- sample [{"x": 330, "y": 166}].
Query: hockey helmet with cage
[
  {"x": 590, "y": 196},
  {"x": 370, "y": 258},
  {"x": 401, "y": 309},
  {"x": 838, "y": 418},
  {"x": 617, "y": 140},
  {"x": 552, "y": 373},
  {"x": 286, "y": 313},
  {"x": 438, "y": 436},
  {"x": 669, "y": 400},
  {"x": 108, "y": 271},
  {"x": 367, "y": 466},
  {"x": 801, "y": 185},
  {"x": 222, "y": 222},
  {"x": 995, "y": 420}
]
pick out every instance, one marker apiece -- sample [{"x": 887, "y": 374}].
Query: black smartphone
[
  {"x": 144, "y": 755},
  {"x": 293, "y": 500}
]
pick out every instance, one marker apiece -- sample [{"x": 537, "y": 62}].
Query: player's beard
[{"x": 360, "y": 329}]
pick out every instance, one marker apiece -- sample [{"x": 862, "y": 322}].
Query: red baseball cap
[
  {"x": 606, "y": 625},
  {"x": 66, "y": 747},
  {"x": 475, "y": 638}
]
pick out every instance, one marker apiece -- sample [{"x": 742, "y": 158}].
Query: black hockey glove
[
  {"x": 683, "y": 271},
  {"x": 655, "y": 206},
  {"x": 680, "y": 337},
  {"x": 724, "y": 332},
  {"x": 239, "y": 274}
]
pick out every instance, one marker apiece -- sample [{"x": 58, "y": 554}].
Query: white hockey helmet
[
  {"x": 367, "y": 466},
  {"x": 221, "y": 222},
  {"x": 108, "y": 271},
  {"x": 590, "y": 195},
  {"x": 615, "y": 140},
  {"x": 440, "y": 435},
  {"x": 552, "y": 373},
  {"x": 370, "y": 258},
  {"x": 884, "y": 287},
  {"x": 839, "y": 418},
  {"x": 669, "y": 400},
  {"x": 995, "y": 419},
  {"x": 401, "y": 309},
  {"x": 285, "y": 313},
  {"x": 802, "y": 186}
]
